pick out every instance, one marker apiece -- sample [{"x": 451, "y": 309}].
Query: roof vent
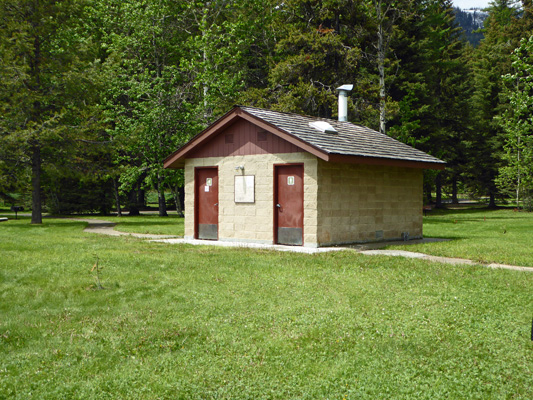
[
  {"x": 322, "y": 126},
  {"x": 343, "y": 101}
]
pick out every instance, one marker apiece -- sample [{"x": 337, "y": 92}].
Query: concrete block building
[{"x": 262, "y": 176}]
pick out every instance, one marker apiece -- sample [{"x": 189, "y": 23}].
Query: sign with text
[{"x": 244, "y": 188}]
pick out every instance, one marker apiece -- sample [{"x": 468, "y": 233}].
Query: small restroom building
[{"x": 262, "y": 176}]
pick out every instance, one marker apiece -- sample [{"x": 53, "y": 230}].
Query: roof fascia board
[
  {"x": 173, "y": 161},
  {"x": 339, "y": 158}
]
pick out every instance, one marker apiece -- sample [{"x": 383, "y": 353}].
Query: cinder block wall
[
  {"x": 252, "y": 222},
  {"x": 365, "y": 203},
  {"x": 355, "y": 203}
]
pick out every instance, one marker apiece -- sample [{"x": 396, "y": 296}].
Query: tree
[
  {"x": 517, "y": 123},
  {"x": 43, "y": 64},
  {"x": 317, "y": 48},
  {"x": 431, "y": 89},
  {"x": 384, "y": 17},
  {"x": 227, "y": 52},
  {"x": 504, "y": 27},
  {"x": 171, "y": 68},
  {"x": 147, "y": 95}
]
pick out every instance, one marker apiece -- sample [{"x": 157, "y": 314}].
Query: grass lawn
[
  {"x": 182, "y": 322},
  {"x": 482, "y": 235}
]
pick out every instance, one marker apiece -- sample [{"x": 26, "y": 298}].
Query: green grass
[
  {"x": 182, "y": 322},
  {"x": 147, "y": 223},
  {"x": 482, "y": 235}
]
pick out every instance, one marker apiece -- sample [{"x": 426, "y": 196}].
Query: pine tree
[
  {"x": 431, "y": 89},
  {"x": 492, "y": 59},
  {"x": 317, "y": 49},
  {"x": 44, "y": 66}
]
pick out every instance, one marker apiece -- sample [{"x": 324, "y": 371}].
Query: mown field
[
  {"x": 485, "y": 236},
  {"x": 184, "y": 322}
]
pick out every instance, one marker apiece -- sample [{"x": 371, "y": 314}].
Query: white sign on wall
[{"x": 244, "y": 188}]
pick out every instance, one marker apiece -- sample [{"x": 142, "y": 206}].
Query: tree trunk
[
  {"x": 438, "y": 191},
  {"x": 455, "y": 200},
  {"x": 518, "y": 177},
  {"x": 492, "y": 200},
  {"x": 381, "y": 70},
  {"x": 181, "y": 193},
  {"x": 178, "y": 198},
  {"x": 205, "y": 85},
  {"x": 132, "y": 203},
  {"x": 518, "y": 193},
  {"x": 36, "y": 207},
  {"x": 427, "y": 190},
  {"x": 161, "y": 198},
  {"x": 117, "y": 197},
  {"x": 136, "y": 197},
  {"x": 141, "y": 197}
]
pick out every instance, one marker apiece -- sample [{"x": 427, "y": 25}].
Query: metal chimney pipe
[{"x": 343, "y": 101}]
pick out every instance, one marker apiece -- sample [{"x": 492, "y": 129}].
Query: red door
[
  {"x": 206, "y": 203},
  {"x": 289, "y": 204}
]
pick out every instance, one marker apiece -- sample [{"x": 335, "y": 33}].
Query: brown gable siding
[{"x": 241, "y": 139}]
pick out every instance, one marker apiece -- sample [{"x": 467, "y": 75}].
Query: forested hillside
[
  {"x": 471, "y": 21},
  {"x": 94, "y": 94}
]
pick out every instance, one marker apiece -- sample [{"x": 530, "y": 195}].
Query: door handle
[
  {"x": 216, "y": 204},
  {"x": 278, "y": 205}
]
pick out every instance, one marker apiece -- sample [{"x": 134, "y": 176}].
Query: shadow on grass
[
  {"x": 458, "y": 221},
  {"x": 25, "y": 224},
  {"x": 484, "y": 210},
  {"x": 471, "y": 215},
  {"x": 448, "y": 237},
  {"x": 144, "y": 223}
]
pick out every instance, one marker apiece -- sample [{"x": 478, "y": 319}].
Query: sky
[{"x": 466, "y": 4}]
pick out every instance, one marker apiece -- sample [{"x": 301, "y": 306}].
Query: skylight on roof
[{"x": 322, "y": 126}]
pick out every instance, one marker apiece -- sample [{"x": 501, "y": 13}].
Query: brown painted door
[
  {"x": 289, "y": 204},
  {"x": 206, "y": 181}
]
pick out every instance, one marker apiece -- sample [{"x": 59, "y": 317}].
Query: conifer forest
[{"x": 95, "y": 94}]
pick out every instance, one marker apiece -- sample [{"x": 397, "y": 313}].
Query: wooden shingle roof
[
  {"x": 350, "y": 139},
  {"x": 351, "y": 143}
]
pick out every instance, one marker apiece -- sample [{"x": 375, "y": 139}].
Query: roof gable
[
  {"x": 351, "y": 143},
  {"x": 243, "y": 138}
]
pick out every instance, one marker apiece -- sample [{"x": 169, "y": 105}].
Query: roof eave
[{"x": 391, "y": 162}]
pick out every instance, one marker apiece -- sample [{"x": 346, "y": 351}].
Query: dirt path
[{"x": 445, "y": 260}]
